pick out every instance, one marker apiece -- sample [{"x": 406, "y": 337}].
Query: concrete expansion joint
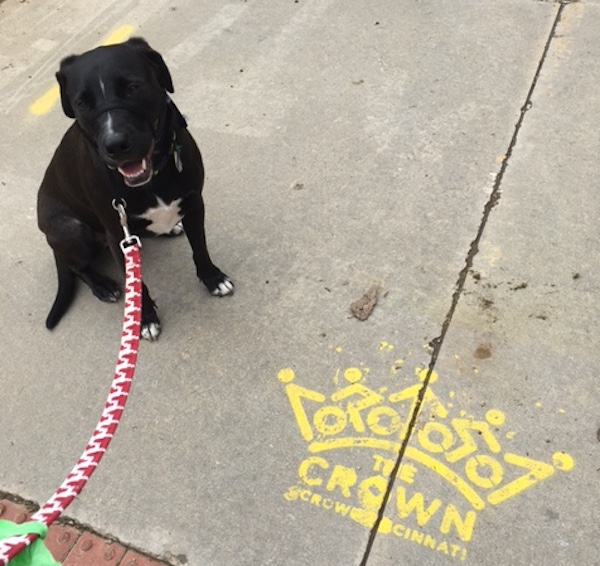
[{"x": 437, "y": 342}]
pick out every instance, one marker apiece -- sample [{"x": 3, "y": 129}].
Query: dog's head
[{"x": 117, "y": 95}]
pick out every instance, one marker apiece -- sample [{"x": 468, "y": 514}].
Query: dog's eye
[
  {"x": 132, "y": 89},
  {"x": 82, "y": 103}
]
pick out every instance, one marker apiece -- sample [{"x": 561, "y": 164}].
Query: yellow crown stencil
[{"x": 465, "y": 451}]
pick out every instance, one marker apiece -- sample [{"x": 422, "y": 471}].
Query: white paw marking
[
  {"x": 224, "y": 288},
  {"x": 151, "y": 331}
]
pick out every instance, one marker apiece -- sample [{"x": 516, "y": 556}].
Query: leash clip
[{"x": 119, "y": 205}]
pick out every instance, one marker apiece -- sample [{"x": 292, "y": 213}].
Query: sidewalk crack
[{"x": 438, "y": 342}]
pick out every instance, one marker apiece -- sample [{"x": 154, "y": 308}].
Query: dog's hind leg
[
  {"x": 103, "y": 287},
  {"x": 75, "y": 247}
]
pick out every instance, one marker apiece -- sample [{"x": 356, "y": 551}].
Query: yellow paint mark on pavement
[
  {"x": 119, "y": 35},
  {"x": 536, "y": 472},
  {"x": 443, "y": 471},
  {"x": 286, "y": 375},
  {"x": 46, "y": 102},
  {"x": 353, "y": 442},
  {"x": 563, "y": 461},
  {"x": 363, "y": 413}
]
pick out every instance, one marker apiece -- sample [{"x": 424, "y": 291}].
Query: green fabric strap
[{"x": 36, "y": 554}]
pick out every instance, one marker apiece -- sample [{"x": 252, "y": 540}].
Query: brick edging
[{"x": 75, "y": 544}]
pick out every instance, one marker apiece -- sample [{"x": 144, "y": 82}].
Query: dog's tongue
[
  {"x": 137, "y": 173},
  {"x": 132, "y": 169}
]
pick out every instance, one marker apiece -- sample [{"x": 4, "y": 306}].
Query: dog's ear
[
  {"x": 156, "y": 61},
  {"x": 61, "y": 77}
]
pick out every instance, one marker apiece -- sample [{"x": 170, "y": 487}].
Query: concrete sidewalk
[{"x": 441, "y": 151}]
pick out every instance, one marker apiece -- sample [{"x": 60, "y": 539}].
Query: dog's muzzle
[{"x": 120, "y": 149}]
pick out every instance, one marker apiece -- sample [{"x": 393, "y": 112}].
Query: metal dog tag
[{"x": 177, "y": 158}]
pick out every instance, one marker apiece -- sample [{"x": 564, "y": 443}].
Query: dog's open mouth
[{"x": 137, "y": 173}]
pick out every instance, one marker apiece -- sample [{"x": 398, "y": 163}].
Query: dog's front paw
[
  {"x": 151, "y": 331},
  {"x": 218, "y": 284},
  {"x": 150, "y": 324},
  {"x": 177, "y": 230}
]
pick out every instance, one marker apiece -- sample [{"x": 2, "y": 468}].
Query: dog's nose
[{"x": 116, "y": 144}]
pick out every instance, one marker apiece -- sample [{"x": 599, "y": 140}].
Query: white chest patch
[{"x": 162, "y": 217}]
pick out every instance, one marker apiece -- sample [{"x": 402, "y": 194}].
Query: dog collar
[
  {"x": 175, "y": 151},
  {"x": 174, "y": 121}
]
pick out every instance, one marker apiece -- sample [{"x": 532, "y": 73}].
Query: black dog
[{"x": 128, "y": 142}]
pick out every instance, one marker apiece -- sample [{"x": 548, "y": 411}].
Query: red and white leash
[{"x": 115, "y": 403}]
